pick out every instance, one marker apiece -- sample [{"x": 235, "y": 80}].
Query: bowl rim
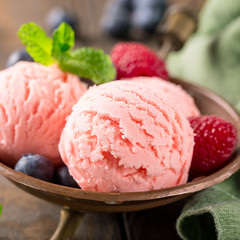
[{"x": 189, "y": 187}]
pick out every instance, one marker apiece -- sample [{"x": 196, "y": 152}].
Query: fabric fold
[{"x": 213, "y": 213}]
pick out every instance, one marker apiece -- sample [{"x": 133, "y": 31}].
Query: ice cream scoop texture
[
  {"x": 34, "y": 102},
  {"x": 124, "y": 136},
  {"x": 176, "y": 93}
]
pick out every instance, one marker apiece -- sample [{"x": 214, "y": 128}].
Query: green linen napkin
[
  {"x": 213, "y": 213},
  {"x": 211, "y": 57}
]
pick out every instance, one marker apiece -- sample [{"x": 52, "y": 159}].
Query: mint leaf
[
  {"x": 0, "y": 210},
  {"x": 38, "y": 44},
  {"x": 85, "y": 62},
  {"x": 88, "y": 63},
  {"x": 63, "y": 40}
]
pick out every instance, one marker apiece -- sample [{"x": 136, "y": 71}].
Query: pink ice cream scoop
[
  {"x": 181, "y": 98},
  {"x": 34, "y": 102},
  {"x": 126, "y": 137}
]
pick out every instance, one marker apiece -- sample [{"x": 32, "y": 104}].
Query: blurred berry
[
  {"x": 116, "y": 21},
  {"x": 36, "y": 166},
  {"x": 149, "y": 3},
  {"x": 18, "y": 55},
  {"x": 148, "y": 15},
  {"x": 58, "y": 15},
  {"x": 127, "y": 4},
  {"x": 64, "y": 178},
  {"x": 215, "y": 140},
  {"x": 133, "y": 59},
  {"x": 124, "y": 18}
]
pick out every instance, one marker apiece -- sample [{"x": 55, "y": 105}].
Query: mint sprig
[
  {"x": 86, "y": 62},
  {"x": 63, "y": 40},
  {"x": 38, "y": 44}
]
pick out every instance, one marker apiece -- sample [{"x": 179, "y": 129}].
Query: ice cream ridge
[
  {"x": 126, "y": 135},
  {"x": 130, "y": 135},
  {"x": 35, "y": 100}
]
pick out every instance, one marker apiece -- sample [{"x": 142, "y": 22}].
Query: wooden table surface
[{"x": 25, "y": 217}]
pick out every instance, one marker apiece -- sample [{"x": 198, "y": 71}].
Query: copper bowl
[
  {"x": 208, "y": 103},
  {"x": 80, "y": 200}
]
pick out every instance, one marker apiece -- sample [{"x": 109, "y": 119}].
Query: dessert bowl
[{"x": 77, "y": 199}]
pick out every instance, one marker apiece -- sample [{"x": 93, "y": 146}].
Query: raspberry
[
  {"x": 133, "y": 59},
  {"x": 215, "y": 140}
]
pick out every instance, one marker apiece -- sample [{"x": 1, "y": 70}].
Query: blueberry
[
  {"x": 18, "y": 55},
  {"x": 149, "y": 3},
  {"x": 58, "y": 15},
  {"x": 116, "y": 21},
  {"x": 147, "y": 18},
  {"x": 64, "y": 178},
  {"x": 127, "y": 4},
  {"x": 36, "y": 166}
]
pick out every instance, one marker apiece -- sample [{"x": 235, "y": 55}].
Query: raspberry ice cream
[
  {"x": 126, "y": 137},
  {"x": 34, "y": 102},
  {"x": 181, "y": 98}
]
